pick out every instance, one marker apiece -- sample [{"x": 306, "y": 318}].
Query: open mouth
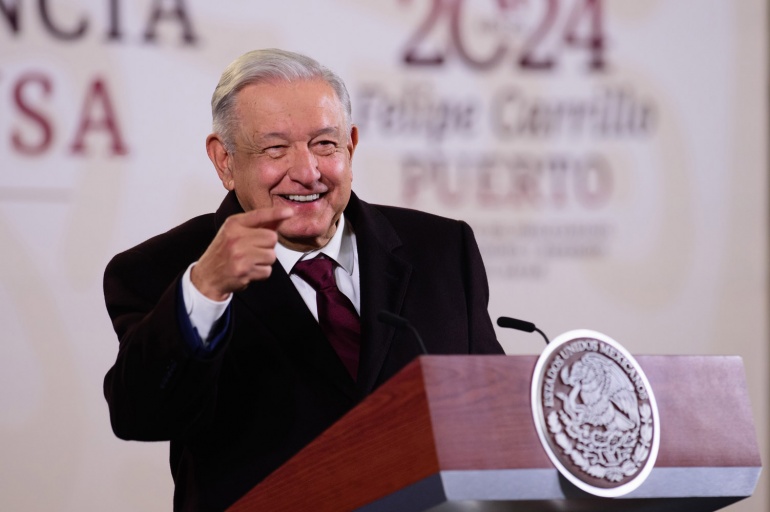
[{"x": 301, "y": 198}]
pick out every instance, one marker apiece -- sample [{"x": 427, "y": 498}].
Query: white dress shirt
[{"x": 204, "y": 312}]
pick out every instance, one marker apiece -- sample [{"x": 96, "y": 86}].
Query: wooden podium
[{"x": 452, "y": 433}]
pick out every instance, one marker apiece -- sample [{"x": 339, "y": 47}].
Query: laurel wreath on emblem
[{"x": 602, "y": 427}]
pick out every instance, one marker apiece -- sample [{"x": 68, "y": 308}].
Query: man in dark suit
[{"x": 227, "y": 347}]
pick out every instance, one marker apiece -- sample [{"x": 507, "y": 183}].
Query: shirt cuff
[{"x": 203, "y": 312}]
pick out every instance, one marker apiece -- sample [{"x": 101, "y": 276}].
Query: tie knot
[{"x": 317, "y": 272}]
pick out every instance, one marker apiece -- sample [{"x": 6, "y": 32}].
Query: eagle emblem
[
  {"x": 595, "y": 413},
  {"x": 602, "y": 394}
]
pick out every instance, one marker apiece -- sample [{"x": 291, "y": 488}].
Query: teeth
[{"x": 303, "y": 199}]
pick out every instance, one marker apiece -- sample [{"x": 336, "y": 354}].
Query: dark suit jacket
[{"x": 274, "y": 382}]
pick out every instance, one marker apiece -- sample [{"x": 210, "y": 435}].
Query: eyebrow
[{"x": 329, "y": 130}]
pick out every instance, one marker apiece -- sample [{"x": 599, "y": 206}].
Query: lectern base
[
  {"x": 675, "y": 489},
  {"x": 662, "y": 505}
]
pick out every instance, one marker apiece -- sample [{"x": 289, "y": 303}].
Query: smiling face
[{"x": 291, "y": 148}]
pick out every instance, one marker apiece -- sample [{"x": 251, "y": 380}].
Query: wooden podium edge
[
  {"x": 448, "y": 424},
  {"x": 344, "y": 468}
]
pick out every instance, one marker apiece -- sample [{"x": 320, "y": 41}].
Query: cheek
[
  {"x": 253, "y": 190},
  {"x": 337, "y": 171},
  {"x": 263, "y": 179}
]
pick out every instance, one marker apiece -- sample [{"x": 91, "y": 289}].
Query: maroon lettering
[
  {"x": 26, "y": 147},
  {"x": 593, "y": 41},
  {"x": 412, "y": 54},
  {"x": 98, "y": 115},
  {"x": 548, "y": 30},
  {"x": 519, "y": 181},
  {"x": 434, "y": 174},
  {"x": 458, "y": 42},
  {"x": 532, "y": 56},
  {"x": 526, "y": 178},
  {"x": 558, "y": 170},
  {"x": 593, "y": 183},
  {"x": 490, "y": 188},
  {"x": 415, "y": 176}
]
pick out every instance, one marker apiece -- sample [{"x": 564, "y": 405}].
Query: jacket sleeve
[
  {"x": 482, "y": 333},
  {"x": 159, "y": 386}
]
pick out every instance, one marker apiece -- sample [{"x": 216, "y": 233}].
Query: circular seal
[{"x": 595, "y": 413}]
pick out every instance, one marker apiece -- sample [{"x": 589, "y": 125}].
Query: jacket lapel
[{"x": 384, "y": 281}]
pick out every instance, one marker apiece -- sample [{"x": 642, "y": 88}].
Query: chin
[
  {"x": 310, "y": 238},
  {"x": 307, "y": 227}
]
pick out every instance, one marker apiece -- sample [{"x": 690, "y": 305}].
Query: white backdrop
[{"x": 611, "y": 157}]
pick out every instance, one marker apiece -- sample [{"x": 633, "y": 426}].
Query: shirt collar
[{"x": 339, "y": 249}]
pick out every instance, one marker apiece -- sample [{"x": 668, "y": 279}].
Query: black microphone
[
  {"x": 520, "y": 325},
  {"x": 398, "y": 322}
]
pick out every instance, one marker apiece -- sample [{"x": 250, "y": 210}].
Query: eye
[
  {"x": 326, "y": 147},
  {"x": 276, "y": 151}
]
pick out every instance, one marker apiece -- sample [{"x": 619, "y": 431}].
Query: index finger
[{"x": 269, "y": 218}]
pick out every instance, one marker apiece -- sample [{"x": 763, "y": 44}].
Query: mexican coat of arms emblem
[{"x": 595, "y": 413}]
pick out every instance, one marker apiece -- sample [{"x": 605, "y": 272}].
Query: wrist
[{"x": 201, "y": 284}]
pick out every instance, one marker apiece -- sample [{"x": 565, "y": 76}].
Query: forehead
[{"x": 281, "y": 105}]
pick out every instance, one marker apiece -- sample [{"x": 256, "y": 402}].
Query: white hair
[{"x": 264, "y": 66}]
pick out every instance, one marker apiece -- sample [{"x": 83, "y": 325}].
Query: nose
[{"x": 304, "y": 166}]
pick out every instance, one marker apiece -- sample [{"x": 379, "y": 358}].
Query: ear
[
  {"x": 353, "y": 140},
  {"x": 221, "y": 159}
]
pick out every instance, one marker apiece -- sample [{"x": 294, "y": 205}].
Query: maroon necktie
[{"x": 336, "y": 314}]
